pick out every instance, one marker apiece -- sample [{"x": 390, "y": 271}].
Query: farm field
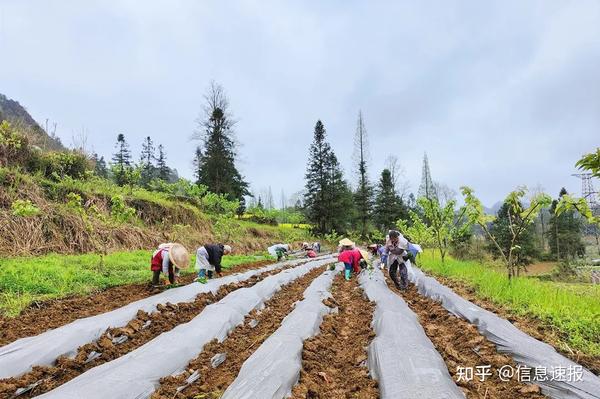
[{"x": 338, "y": 349}]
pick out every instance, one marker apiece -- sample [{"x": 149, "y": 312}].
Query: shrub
[
  {"x": 24, "y": 208},
  {"x": 14, "y": 149},
  {"x": 119, "y": 209},
  {"x": 58, "y": 165}
]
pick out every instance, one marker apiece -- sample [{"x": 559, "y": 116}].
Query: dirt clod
[{"x": 332, "y": 361}]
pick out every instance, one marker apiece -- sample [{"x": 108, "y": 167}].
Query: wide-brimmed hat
[
  {"x": 179, "y": 256},
  {"x": 346, "y": 243},
  {"x": 364, "y": 254}
]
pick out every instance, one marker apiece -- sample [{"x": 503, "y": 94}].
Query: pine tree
[
  {"x": 260, "y": 204},
  {"x": 389, "y": 206},
  {"x": 363, "y": 197},
  {"x": 427, "y": 187},
  {"x": 147, "y": 157},
  {"x": 565, "y": 232},
  {"x": 163, "y": 170},
  {"x": 317, "y": 180},
  {"x": 339, "y": 198},
  {"x": 100, "y": 168},
  {"x": 121, "y": 161},
  {"x": 217, "y": 168},
  {"x": 196, "y": 163}
]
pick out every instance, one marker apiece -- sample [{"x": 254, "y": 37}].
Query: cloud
[{"x": 499, "y": 93}]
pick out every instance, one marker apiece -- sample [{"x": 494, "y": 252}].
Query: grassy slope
[
  {"x": 27, "y": 279},
  {"x": 573, "y": 309}
]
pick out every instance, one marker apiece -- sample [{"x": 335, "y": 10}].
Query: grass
[
  {"x": 573, "y": 309},
  {"x": 27, "y": 279}
]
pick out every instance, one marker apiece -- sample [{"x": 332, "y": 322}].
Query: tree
[
  {"x": 317, "y": 180},
  {"x": 216, "y": 168},
  {"x": 591, "y": 163},
  {"x": 363, "y": 197},
  {"x": 162, "y": 169},
  {"x": 339, "y": 201},
  {"x": 121, "y": 160},
  {"x": 565, "y": 231},
  {"x": 445, "y": 224},
  {"x": 518, "y": 221},
  {"x": 389, "y": 206},
  {"x": 196, "y": 163},
  {"x": 100, "y": 168},
  {"x": 260, "y": 204},
  {"x": 427, "y": 187},
  {"x": 501, "y": 229},
  {"x": 147, "y": 157}
]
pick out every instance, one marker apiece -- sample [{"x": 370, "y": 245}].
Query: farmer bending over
[
  {"x": 168, "y": 259},
  {"x": 395, "y": 248},
  {"x": 208, "y": 260},
  {"x": 346, "y": 256}
]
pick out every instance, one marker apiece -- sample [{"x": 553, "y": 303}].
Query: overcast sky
[{"x": 499, "y": 94}]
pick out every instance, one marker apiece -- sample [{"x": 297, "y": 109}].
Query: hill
[{"x": 18, "y": 116}]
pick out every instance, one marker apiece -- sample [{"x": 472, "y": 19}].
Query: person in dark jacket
[{"x": 208, "y": 260}]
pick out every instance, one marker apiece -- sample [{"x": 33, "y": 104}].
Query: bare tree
[
  {"x": 401, "y": 185},
  {"x": 445, "y": 194},
  {"x": 364, "y": 191},
  {"x": 79, "y": 141}
]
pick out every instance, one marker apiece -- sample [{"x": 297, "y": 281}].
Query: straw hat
[
  {"x": 346, "y": 243},
  {"x": 364, "y": 254},
  {"x": 179, "y": 256}
]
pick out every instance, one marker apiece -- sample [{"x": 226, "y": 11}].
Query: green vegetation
[
  {"x": 574, "y": 310},
  {"x": 27, "y": 279}
]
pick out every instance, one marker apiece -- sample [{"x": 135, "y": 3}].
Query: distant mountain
[
  {"x": 18, "y": 116},
  {"x": 494, "y": 209}
]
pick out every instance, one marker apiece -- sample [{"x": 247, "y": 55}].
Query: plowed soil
[
  {"x": 238, "y": 347},
  {"x": 139, "y": 331},
  {"x": 528, "y": 324},
  {"x": 461, "y": 345},
  {"x": 43, "y": 316},
  {"x": 334, "y": 362}
]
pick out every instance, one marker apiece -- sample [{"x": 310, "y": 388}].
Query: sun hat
[
  {"x": 364, "y": 254},
  {"x": 346, "y": 243},
  {"x": 179, "y": 256},
  {"x": 227, "y": 248}
]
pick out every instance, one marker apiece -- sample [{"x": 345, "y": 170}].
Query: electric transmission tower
[{"x": 587, "y": 190}]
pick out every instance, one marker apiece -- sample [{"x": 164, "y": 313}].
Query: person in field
[
  {"x": 310, "y": 253},
  {"x": 317, "y": 246},
  {"x": 208, "y": 260},
  {"x": 168, "y": 259},
  {"x": 279, "y": 250},
  {"x": 346, "y": 256},
  {"x": 395, "y": 249}
]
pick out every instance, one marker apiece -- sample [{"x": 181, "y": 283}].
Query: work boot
[{"x": 347, "y": 274}]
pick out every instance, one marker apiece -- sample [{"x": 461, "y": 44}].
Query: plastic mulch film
[
  {"x": 564, "y": 378},
  {"x": 20, "y": 356},
  {"x": 274, "y": 368},
  {"x": 401, "y": 357},
  {"x": 137, "y": 374}
]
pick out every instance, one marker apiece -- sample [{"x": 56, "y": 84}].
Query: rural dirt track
[
  {"x": 43, "y": 316},
  {"x": 238, "y": 346},
  {"x": 165, "y": 319},
  {"x": 460, "y": 344},
  {"x": 334, "y": 361}
]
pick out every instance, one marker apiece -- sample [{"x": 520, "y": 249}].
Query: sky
[{"x": 499, "y": 94}]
